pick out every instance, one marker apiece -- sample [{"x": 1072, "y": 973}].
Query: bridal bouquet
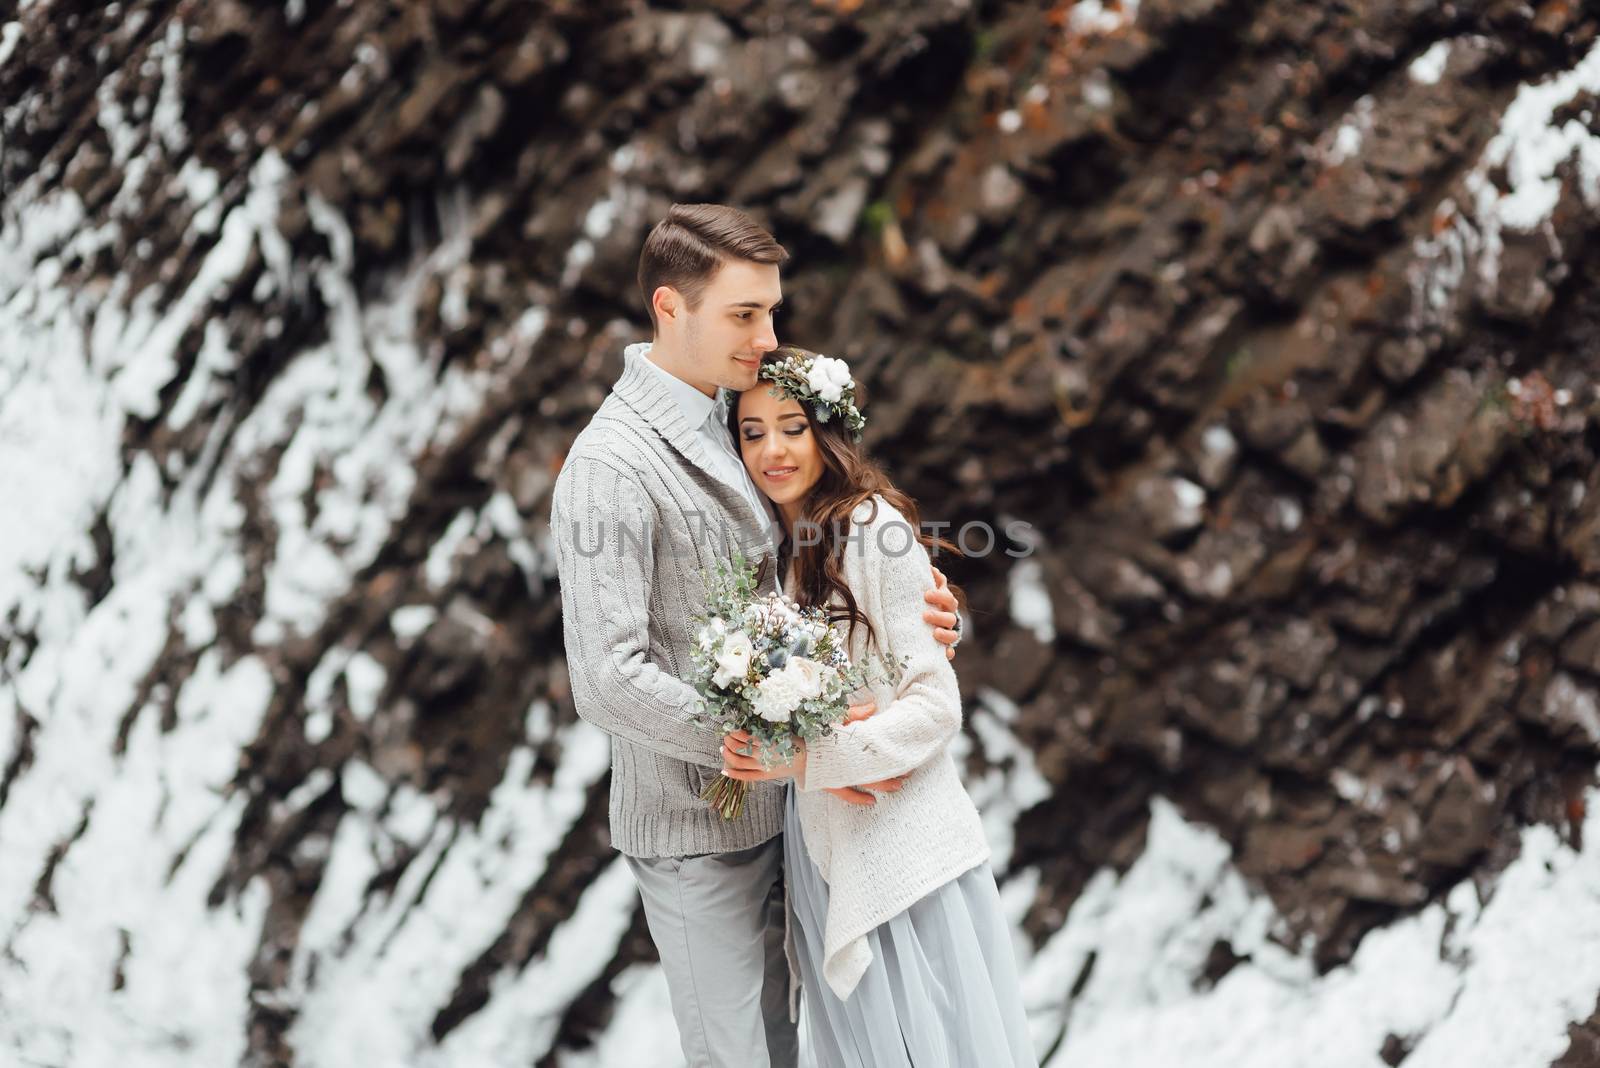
[{"x": 764, "y": 665}]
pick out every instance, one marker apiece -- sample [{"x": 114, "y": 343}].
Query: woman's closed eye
[{"x": 792, "y": 432}]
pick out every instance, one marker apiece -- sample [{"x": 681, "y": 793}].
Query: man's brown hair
[{"x": 690, "y": 245}]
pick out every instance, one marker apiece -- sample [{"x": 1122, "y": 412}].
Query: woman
[{"x": 903, "y": 953}]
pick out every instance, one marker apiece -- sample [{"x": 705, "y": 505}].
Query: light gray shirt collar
[
  {"x": 695, "y": 406},
  {"x": 707, "y": 423}
]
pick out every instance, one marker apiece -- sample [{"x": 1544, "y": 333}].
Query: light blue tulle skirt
[{"x": 942, "y": 988}]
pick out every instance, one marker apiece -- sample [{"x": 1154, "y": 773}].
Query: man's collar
[
  {"x": 650, "y": 391},
  {"x": 694, "y": 405}
]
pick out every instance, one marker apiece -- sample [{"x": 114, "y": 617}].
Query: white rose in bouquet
[
  {"x": 733, "y": 662},
  {"x": 780, "y": 693},
  {"x": 808, "y": 676},
  {"x": 829, "y": 377}
]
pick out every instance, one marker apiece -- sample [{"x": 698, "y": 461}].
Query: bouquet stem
[{"x": 726, "y": 796}]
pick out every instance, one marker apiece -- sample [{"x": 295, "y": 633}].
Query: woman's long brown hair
[{"x": 848, "y": 478}]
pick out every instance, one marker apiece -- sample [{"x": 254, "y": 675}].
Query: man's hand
[
  {"x": 942, "y": 616},
  {"x": 858, "y": 795}
]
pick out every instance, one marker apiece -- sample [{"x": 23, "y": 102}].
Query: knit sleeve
[
  {"x": 889, "y": 579},
  {"x": 602, "y": 524}
]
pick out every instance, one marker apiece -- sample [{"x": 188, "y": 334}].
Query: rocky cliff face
[{"x": 1275, "y": 322}]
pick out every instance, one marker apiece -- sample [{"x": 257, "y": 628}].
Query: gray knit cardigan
[{"x": 637, "y": 518}]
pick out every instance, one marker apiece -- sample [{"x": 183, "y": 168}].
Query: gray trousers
[{"x": 718, "y": 923}]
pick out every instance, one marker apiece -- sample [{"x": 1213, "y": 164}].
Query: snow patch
[
  {"x": 1030, "y": 603},
  {"x": 1011, "y": 784},
  {"x": 1347, "y": 137},
  {"x": 410, "y": 621},
  {"x": 1428, "y": 68},
  {"x": 1219, "y": 441},
  {"x": 1467, "y": 241},
  {"x": 1097, "y": 17},
  {"x": 10, "y": 34},
  {"x": 1457, "y": 977},
  {"x": 371, "y": 972},
  {"x": 1530, "y": 147},
  {"x": 519, "y": 1024}
]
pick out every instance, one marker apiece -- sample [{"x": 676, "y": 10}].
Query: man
[{"x": 651, "y": 496}]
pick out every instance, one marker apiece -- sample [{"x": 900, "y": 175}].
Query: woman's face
[{"x": 778, "y": 445}]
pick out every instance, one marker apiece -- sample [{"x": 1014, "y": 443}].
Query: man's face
[{"x": 724, "y": 338}]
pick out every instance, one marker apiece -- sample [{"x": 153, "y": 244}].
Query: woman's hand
[
  {"x": 864, "y": 794},
  {"x": 741, "y": 759}
]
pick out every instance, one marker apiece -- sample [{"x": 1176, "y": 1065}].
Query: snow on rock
[
  {"x": 130, "y": 956},
  {"x": 1012, "y": 784},
  {"x": 10, "y": 35},
  {"x": 1097, "y": 17},
  {"x": 519, "y": 1024},
  {"x": 1530, "y": 146},
  {"x": 1467, "y": 242},
  {"x": 322, "y": 405},
  {"x": 116, "y": 833},
  {"x": 1455, "y": 980},
  {"x": 370, "y": 973},
  {"x": 1030, "y": 600},
  {"x": 409, "y": 622},
  {"x": 1428, "y": 68},
  {"x": 641, "y": 1031},
  {"x": 1345, "y": 140}
]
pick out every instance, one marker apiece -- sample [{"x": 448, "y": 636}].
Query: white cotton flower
[
  {"x": 734, "y": 660},
  {"x": 781, "y": 692},
  {"x": 776, "y": 705},
  {"x": 777, "y": 696},
  {"x": 829, "y": 378}
]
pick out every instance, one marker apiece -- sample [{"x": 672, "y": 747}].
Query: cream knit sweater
[{"x": 879, "y": 860}]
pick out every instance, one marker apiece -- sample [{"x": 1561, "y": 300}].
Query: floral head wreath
[{"x": 820, "y": 381}]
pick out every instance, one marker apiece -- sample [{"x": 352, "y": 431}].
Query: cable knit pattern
[
  {"x": 879, "y": 860},
  {"x": 638, "y": 516}
]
